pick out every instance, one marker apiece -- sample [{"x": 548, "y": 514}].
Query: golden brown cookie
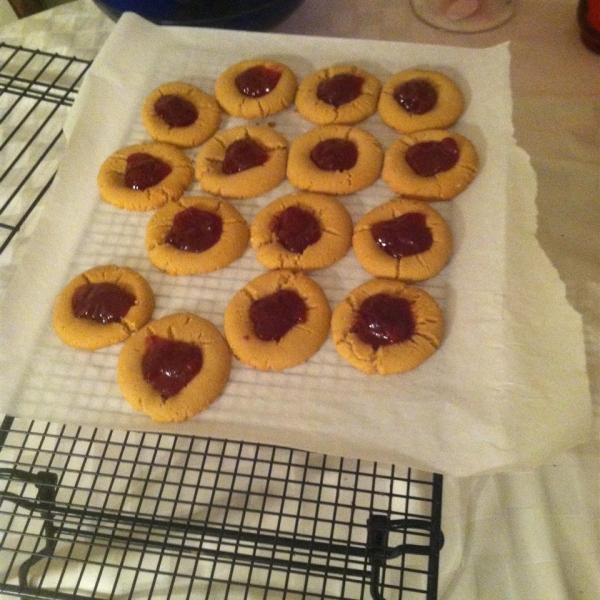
[
  {"x": 242, "y": 162},
  {"x": 145, "y": 176},
  {"x": 430, "y": 165},
  {"x": 181, "y": 114},
  {"x": 403, "y": 239},
  {"x": 341, "y": 94},
  {"x": 419, "y": 99},
  {"x": 196, "y": 235},
  {"x": 255, "y": 88},
  {"x": 174, "y": 367},
  {"x": 385, "y": 326},
  {"x": 278, "y": 320},
  {"x": 101, "y": 307},
  {"x": 334, "y": 159},
  {"x": 301, "y": 231}
]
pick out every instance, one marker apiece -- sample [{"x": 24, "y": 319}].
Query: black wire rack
[{"x": 96, "y": 513}]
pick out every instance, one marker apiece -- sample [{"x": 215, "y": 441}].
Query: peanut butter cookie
[
  {"x": 339, "y": 94},
  {"x": 174, "y": 368},
  {"x": 301, "y": 231},
  {"x": 145, "y": 176},
  {"x": 196, "y": 235},
  {"x": 334, "y": 159},
  {"x": 181, "y": 114},
  {"x": 256, "y": 88},
  {"x": 242, "y": 162},
  {"x": 385, "y": 326},
  {"x": 418, "y": 99},
  {"x": 278, "y": 320},
  {"x": 403, "y": 239},
  {"x": 102, "y": 307},
  {"x": 430, "y": 165}
]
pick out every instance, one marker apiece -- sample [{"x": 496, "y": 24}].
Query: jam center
[
  {"x": 257, "y": 82},
  {"x": 169, "y": 365},
  {"x": 144, "y": 170},
  {"x": 335, "y": 154},
  {"x": 175, "y": 110},
  {"x": 430, "y": 158},
  {"x": 382, "y": 320},
  {"x": 297, "y": 229},
  {"x": 274, "y": 315},
  {"x": 242, "y": 155},
  {"x": 340, "y": 89},
  {"x": 195, "y": 230},
  {"x": 416, "y": 96},
  {"x": 405, "y": 235},
  {"x": 101, "y": 302}
]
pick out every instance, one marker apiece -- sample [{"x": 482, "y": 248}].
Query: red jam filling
[
  {"x": 242, "y": 155},
  {"x": 101, "y": 302},
  {"x": 144, "y": 170},
  {"x": 405, "y": 235},
  {"x": 382, "y": 320},
  {"x": 340, "y": 89},
  {"x": 195, "y": 230},
  {"x": 416, "y": 96},
  {"x": 335, "y": 154},
  {"x": 430, "y": 158},
  {"x": 257, "y": 82},
  {"x": 274, "y": 315},
  {"x": 296, "y": 229},
  {"x": 176, "y": 111},
  {"x": 169, "y": 365}
]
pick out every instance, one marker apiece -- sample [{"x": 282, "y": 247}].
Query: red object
[{"x": 588, "y": 17}]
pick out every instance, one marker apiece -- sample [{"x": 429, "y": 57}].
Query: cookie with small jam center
[
  {"x": 403, "y": 239},
  {"x": 143, "y": 177},
  {"x": 418, "y": 99},
  {"x": 386, "y": 327},
  {"x": 101, "y": 307},
  {"x": 180, "y": 114},
  {"x": 334, "y": 159},
  {"x": 196, "y": 235},
  {"x": 174, "y": 367},
  {"x": 301, "y": 231},
  {"x": 256, "y": 88},
  {"x": 430, "y": 165},
  {"x": 278, "y": 320},
  {"x": 242, "y": 162},
  {"x": 343, "y": 94}
]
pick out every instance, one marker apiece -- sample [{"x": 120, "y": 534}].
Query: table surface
[{"x": 534, "y": 534}]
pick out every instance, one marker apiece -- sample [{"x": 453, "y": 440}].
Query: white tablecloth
[{"x": 535, "y": 534}]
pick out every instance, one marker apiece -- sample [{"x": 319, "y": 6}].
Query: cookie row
[
  {"x": 248, "y": 161},
  {"x": 400, "y": 239},
  {"x": 411, "y": 100},
  {"x": 174, "y": 367}
]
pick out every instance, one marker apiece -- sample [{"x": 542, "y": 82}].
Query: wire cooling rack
[{"x": 96, "y": 513}]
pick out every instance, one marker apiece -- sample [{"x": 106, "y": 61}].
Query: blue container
[{"x": 253, "y": 15}]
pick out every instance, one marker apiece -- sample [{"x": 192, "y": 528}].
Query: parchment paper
[{"x": 507, "y": 389}]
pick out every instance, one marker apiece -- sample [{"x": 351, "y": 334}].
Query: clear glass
[{"x": 464, "y": 16}]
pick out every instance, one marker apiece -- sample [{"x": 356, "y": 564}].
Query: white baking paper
[{"x": 507, "y": 389}]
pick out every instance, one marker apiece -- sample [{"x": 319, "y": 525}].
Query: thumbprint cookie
[
  {"x": 242, "y": 162},
  {"x": 418, "y": 99},
  {"x": 255, "y": 88},
  {"x": 101, "y": 307},
  {"x": 278, "y": 320},
  {"x": 145, "y": 176},
  {"x": 174, "y": 368},
  {"x": 386, "y": 327},
  {"x": 339, "y": 94},
  {"x": 301, "y": 231},
  {"x": 181, "y": 114}
]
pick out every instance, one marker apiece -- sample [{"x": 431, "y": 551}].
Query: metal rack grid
[{"x": 92, "y": 513}]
